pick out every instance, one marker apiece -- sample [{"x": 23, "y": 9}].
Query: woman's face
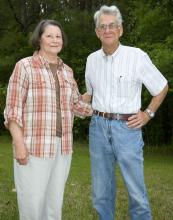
[{"x": 51, "y": 41}]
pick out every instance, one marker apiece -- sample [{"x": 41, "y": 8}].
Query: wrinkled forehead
[{"x": 107, "y": 19}]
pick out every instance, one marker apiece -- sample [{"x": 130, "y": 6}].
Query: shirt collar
[
  {"x": 112, "y": 55},
  {"x": 39, "y": 62}
]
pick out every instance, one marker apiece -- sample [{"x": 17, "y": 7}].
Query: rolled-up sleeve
[{"x": 16, "y": 95}]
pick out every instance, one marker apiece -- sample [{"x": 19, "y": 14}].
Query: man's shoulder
[
  {"x": 94, "y": 54},
  {"x": 134, "y": 50}
]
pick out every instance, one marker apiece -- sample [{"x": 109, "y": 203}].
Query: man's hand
[{"x": 138, "y": 120}]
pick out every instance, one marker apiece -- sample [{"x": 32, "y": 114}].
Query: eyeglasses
[{"x": 111, "y": 26}]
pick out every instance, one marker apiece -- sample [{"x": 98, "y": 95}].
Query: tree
[{"x": 148, "y": 24}]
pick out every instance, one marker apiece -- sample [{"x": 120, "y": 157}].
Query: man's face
[{"x": 108, "y": 30}]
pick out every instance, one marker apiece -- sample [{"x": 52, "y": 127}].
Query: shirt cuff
[{"x": 12, "y": 114}]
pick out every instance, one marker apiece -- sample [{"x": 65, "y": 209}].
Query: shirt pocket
[
  {"x": 42, "y": 84},
  {"x": 66, "y": 94},
  {"x": 68, "y": 86},
  {"x": 40, "y": 92},
  {"x": 126, "y": 87},
  {"x": 38, "y": 85}
]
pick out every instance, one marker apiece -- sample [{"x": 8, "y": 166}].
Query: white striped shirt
[{"x": 115, "y": 81}]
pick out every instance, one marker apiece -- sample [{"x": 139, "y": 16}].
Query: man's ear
[
  {"x": 121, "y": 30},
  {"x": 97, "y": 33}
]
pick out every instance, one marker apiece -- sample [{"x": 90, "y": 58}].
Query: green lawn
[{"x": 77, "y": 201}]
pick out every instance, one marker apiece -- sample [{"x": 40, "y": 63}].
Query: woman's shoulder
[
  {"x": 68, "y": 69},
  {"x": 25, "y": 61},
  {"x": 33, "y": 61}
]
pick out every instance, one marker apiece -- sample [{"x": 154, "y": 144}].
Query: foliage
[
  {"x": 152, "y": 31},
  {"x": 2, "y": 104},
  {"x": 147, "y": 24}
]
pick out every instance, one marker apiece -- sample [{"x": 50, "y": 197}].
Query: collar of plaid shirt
[{"x": 39, "y": 62}]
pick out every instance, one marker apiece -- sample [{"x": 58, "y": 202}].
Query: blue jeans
[{"x": 112, "y": 142}]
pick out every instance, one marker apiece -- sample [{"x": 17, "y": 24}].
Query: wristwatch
[{"x": 150, "y": 113}]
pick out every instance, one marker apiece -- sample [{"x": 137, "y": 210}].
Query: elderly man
[{"x": 114, "y": 78}]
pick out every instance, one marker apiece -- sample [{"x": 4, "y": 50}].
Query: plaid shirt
[{"x": 31, "y": 103}]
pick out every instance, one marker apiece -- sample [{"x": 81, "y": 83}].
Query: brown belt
[{"x": 116, "y": 116}]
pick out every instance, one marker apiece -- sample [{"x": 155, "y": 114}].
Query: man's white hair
[{"x": 112, "y": 10}]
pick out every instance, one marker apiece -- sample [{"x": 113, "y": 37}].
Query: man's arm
[
  {"x": 142, "y": 118},
  {"x": 21, "y": 152}
]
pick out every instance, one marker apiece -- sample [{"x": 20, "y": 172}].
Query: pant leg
[
  {"x": 102, "y": 168},
  {"x": 56, "y": 185},
  {"x": 130, "y": 159},
  {"x": 31, "y": 182}
]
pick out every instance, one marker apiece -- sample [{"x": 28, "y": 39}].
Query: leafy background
[{"x": 148, "y": 24}]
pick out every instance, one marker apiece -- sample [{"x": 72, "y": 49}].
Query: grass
[{"x": 77, "y": 200}]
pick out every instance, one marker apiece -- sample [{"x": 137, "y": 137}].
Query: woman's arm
[
  {"x": 81, "y": 108},
  {"x": 13, "y": 113},
  {"x": 20, "y": 151}
]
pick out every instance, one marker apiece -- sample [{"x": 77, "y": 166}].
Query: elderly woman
[{"x": 42, "y": 99}]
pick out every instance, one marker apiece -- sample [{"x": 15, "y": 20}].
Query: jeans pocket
[
  {"x": 93, "y": 120},
  {"x": 125, "y": 126}
]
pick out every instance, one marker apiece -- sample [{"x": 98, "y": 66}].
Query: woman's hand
[
  {"x": 86, "y": 98},
  {"x": 21, "y": 154},
  {"x": 20, "y": 151}
]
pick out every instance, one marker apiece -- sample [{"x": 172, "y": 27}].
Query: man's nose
[{"x": 107, "y": 29}]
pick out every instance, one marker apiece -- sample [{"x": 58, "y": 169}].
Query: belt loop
[
  {"x": 103, "y": 114},
  {"x": 118, "y": 116}
]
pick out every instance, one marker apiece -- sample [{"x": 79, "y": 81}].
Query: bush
[{"x": 3, "y": 90}]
